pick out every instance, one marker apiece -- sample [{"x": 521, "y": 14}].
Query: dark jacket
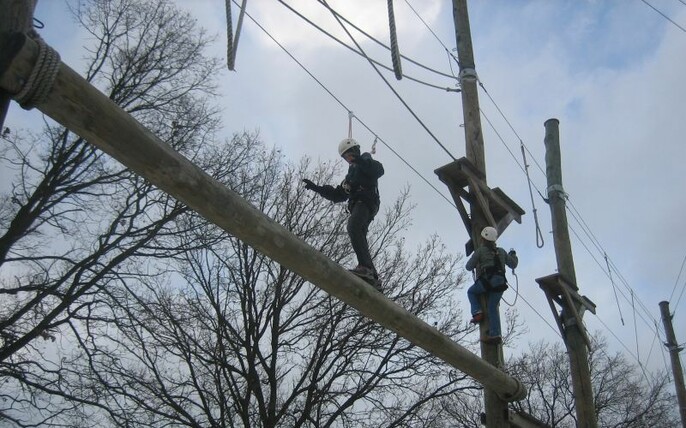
[{"x": 360, "y": 184}]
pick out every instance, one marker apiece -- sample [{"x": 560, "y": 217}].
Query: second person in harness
[{"x": 490, "y": 260}]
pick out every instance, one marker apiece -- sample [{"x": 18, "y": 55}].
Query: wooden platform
[{"x": 466, "y": 182}]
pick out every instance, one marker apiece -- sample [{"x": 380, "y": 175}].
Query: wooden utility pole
[
  {"x": 16, "y": 16},
  {"x": 562, "y": 287},
  {"x": 87, "y": 112},
  {"x": 495, "y": 406},
  {"x": 674, "y": 349}
]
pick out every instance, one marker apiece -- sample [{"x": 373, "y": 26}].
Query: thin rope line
[
  {"x": 380, "y": 43},
  {"x": 633, "y": 307},
  {"x": 614, "y": 289},
  {"x": 443, "y": 88},
  {"x": 388, "y": 84},
  {"x": 665, "y": 16},
  {"x": 539, "y": 235},
  {"x": 432, "y": 32},
  {"x": 676, "y": 283},
  {"x": 603, "y": 270}
]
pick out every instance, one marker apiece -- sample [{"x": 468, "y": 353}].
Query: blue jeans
[{"x": 493, "y": 301}]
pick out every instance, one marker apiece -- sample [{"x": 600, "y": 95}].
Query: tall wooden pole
[
  {"x": 77, "y": 105},
  {"x": 496, "y": 408},
  {"x": 15, "y": 16},
  {"x": 674, "y": 349},
  {"x": 573, "y": 334}
]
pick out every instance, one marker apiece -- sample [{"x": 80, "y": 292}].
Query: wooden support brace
[
  {"x": 562, "y": 291},
  {"x": 464, "y": 215},
  {"x": 483, "y": 204},
  {"x": 571, "y": 305},
  {"x": 498, "y": 209},
  {"x": 80, "y": 107}
]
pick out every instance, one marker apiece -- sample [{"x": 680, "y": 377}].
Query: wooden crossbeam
[{"x": 80, "y": 107}]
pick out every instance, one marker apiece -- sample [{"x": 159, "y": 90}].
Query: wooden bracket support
[
  {"x": 559, "y": 290},
  {"x": 499, "y": 209}
]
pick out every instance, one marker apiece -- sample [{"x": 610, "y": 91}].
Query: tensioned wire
[
  {"x": 577, "y": 215},
  {"x": 347, "y": 109},
  {"x": 309, "y": 21}
]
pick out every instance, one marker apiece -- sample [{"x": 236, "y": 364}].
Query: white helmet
[
  {"x": 347, "y": 144},
  {"x": 489, "y": 233}
]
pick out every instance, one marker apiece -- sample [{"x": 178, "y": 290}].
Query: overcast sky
[{"x": 611, "y": 71}]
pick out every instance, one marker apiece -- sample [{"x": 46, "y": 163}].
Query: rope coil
[{"x": 43, "y": 75}]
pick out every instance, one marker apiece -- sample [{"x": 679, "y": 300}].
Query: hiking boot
[
  {"x": 364, "y": 271},
  {"x": 477, "y": 318},
  {"x": 492, "y": 340}
]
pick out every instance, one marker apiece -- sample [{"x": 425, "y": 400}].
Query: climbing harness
[
  {"x": 395, "y": 52},
  {"x": 539, "y": 235},
  {"x": 43, "y": 75},
  {"x": 231, "y": 41}
]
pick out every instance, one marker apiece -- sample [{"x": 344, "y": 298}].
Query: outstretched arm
[{"x": 335, "y": 194}]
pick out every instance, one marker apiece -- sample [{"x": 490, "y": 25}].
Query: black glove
[
  {"x": 310, "y": 185},
  {"x": 512, "y": 252}
]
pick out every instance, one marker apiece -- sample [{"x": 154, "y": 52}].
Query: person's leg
[
  {"x": 494, "y": 313},
  {"x": 358, "y": 225},
  {"x": 473, "y": 294}
]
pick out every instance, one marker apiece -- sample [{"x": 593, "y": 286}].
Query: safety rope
[
  {"x": 539, "y": 235},
  {"x": 232, "y": 43},
  {"x": 229, "y": 36},
  {"x": 609, "y": 272},
  {"x": 516, "y": 287},
  {"x": 42, "y": 77},
  {"x": 395, "y": 53}
]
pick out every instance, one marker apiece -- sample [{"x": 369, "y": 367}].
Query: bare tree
[
  {"x": 121, "y": 307},
  {"x": 232, "y": 338},
  {"x": 624, "y": 395},
  {"x": 73, "y": 222}
]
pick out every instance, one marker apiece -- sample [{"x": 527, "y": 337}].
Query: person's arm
[{"x": 335, "y": 194}]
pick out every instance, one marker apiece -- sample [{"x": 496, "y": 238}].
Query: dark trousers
[{"x": 358, "y": 225}]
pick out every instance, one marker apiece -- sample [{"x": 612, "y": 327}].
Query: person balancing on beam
[
  {"x": 490, "y": 280},
  {"x": 360, "y": 188}
]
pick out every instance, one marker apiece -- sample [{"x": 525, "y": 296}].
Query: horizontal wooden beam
[{"x": 77, "y": 105}]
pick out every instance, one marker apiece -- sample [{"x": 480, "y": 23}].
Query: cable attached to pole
[
  {"x": 395, "y": 52},
  {"x": 539, "y": 235},
  {"x": 609, "y": 272}
]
